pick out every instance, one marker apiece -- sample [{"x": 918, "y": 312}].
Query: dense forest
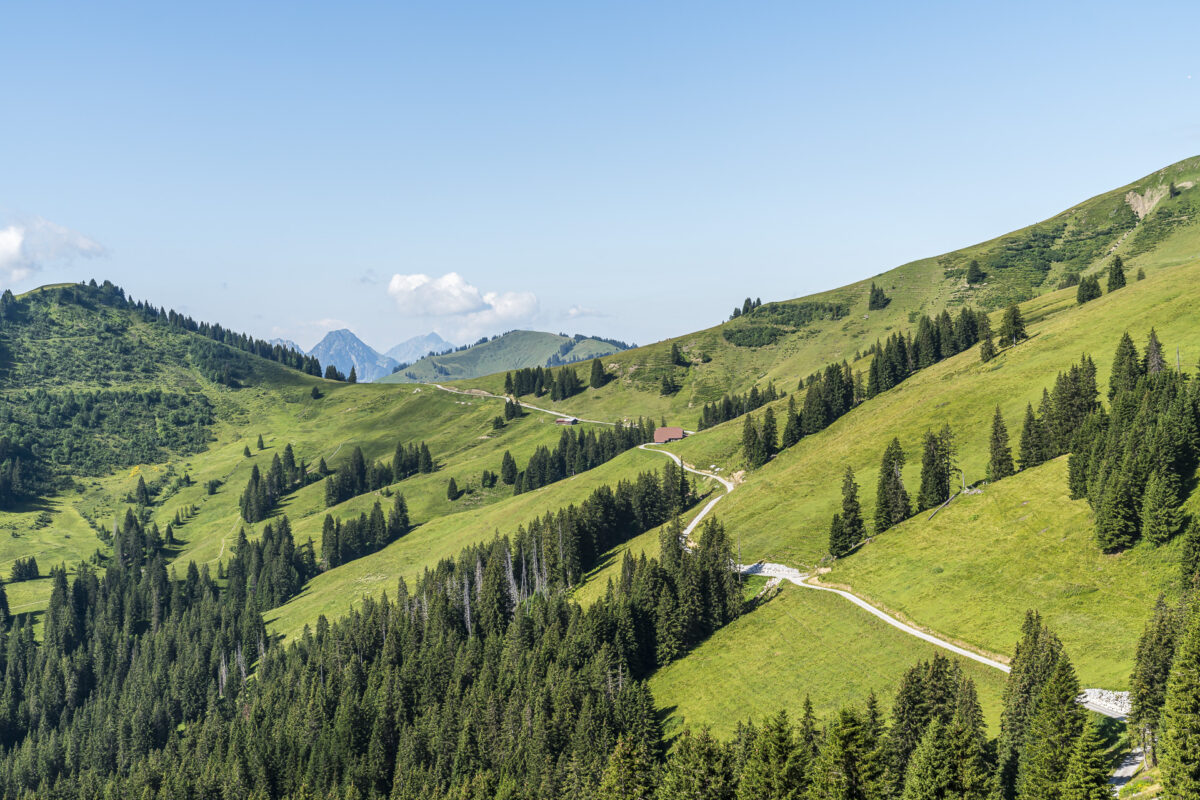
[{"x": 575, "y": 453}]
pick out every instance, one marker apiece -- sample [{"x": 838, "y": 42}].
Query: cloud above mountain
[
  {"x": 27, "y": 245},
  {"x": 467, "y": 307}
]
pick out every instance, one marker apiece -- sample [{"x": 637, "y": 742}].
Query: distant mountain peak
[{"x": 344, "y": 350}]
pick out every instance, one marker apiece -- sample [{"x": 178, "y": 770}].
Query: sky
[{"x": 632, "y": 170}]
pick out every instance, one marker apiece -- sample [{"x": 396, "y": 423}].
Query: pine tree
[
  {"x": 1000, "y": 462},
  {"x": 930, "y": 774},
  {"x": 752, "y": 444},
  {"x": 699, "y": 768},
  {"x": 791, "y": 427},
  {"x": 628, "y": 775},
  {"x": 852, "y": 521},
  {"x": 141, "y": 494},
  {"x": 974, "y": 273},
  {"x": 967, "y": 732},
  {"x": 260, "y": 444},
  {"x": 1151, "y": 671},
  {"x": 452, "y": 490},
  {"x": 1189, "y": 558},
  {"x": 838, "y": 545},
  {"x": 987, "y": 349},
  {"x": 892, "y": 504},
  {"x": 1031, "y": 668},
  {"x": 1153, "y": 362},
  {"x": 1088, "y": 769},
  {"x": 1089, "y": 289},
  {"x": 1141, "y": 274},
  {"x": 1056, "y": 724},
  {"x": 772, "y": 771},
  {"x": 835, "y": 773},
  {"x": 767, "y": 434},
  {"x": 246, "y": 451},
  {"x": 1032, "y": 451},
  {"x": 1116, "y": 274},
  {"x": 1179, "y": 745},
  {"x": 353, "y": 376},
  {"x": 508, "y": 469},
  {"x": 1126, "y": 368},
  {"x": 1012, "y": 326},
  {"x": 936, "y": 465},
  {"x": 1116, "y": 515},
  {"x": 1160, "y": 507},
  {"x": 599, "y": 377},
  {"x": 677, "y": 356}
]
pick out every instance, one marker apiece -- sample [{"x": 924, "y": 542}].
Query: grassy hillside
[
  {"x": 513, "y": 350},
  {"x": 1021, "y": 265},
  {"x": 798, "y": 643}
]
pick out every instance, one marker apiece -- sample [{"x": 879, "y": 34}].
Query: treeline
[
  {"x": 263, "y": 492},
  {"x": 560, "y": 384},
  {"x": 576, "y": 452},
  {"x": 356, "y": 477},
  {"x": 1133, "y": 461},
  {"x": 732, "y": 407},
  {"x": 47, "y": 436},
  {"x": 357, "y": 537},
  {"x": 113, "y": 296}
]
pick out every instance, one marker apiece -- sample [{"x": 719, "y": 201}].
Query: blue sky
[{"x": 629, "y": 169}]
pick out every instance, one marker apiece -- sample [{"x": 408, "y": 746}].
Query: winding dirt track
[{"x": 1127, "y": 768}]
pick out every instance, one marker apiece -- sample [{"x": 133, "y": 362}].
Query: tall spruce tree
[
  {"x": 768, "y": 434},
  {"x": 1033, "y": 663},
  {"x": 937, "y": 452},
  {"x": 892, "y": 505},
  {"x": 1151, "y": 672},
  {"x": 1126, "y": 367},
  {"x": 1032, "y": 452},
  {"x": 1179, "y": 744},
  {"x": 987, "y": 349},
  {"x": 1088, "y": 768},
  {"x": 1116, "y": 274},
  {"x": 1153, "y": 362},
  {"x": 699, "y": 768},
  {"x": 1000, "y": 460},
  {"x": 599, "y": 377},
  {"x": 791, "y": 427},
  {"x": 1056, "y": 724},
  {"x": 852, "y": 519},
  {"x": 771, "y": 770},
  {"x": 838, "y": 544},
  {"x": 930, "y": 774},
  {"x": 1160, "y": 507},
  {"x": 1012, "y": 326}
]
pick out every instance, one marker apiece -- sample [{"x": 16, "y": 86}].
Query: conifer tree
[
  {"x": 1116, "y": 515},
  {"x": 1012, "y": 326},
  {"x": 1032, "y": 665},
  {"x": 353, "y": 376},
  {"x": 1089, "y": 289},
  {"x": 1032, "y": 448},
  {"x": 246, "y": 451},
  {"x": 974, "y": 273},
  {"x": 1116, "y": 274},
  {"x": 699, "y": 768},
  {"x": 930, "y": 774},
  {"x": 936, "y": 465},
  {"x": 791, "y": 427},
  {"x": 987, "y": 349},
  {"x": 1160, "y": 507},
  {"x": 508, "y": 469},
  {"x": 628, "y": 775},
  {"x": 452, "y": 490},
  {"x": 1153, "y": 362},
  {"x": 892, "y": 504},
  {"x": 598, "y": 377},
  {"x": 838, "y": 545},
  {"x": 852, "y": 521},
  {"x": 1126, "y": 368},
  {"x": 1000, "y": 462},
  {"x": 836, "y": 771},
  {"x": 752, "y": 444},
  {"x": 1189, "y": 558},
  {"x": 772, "y": 771},
  {"x": 1141, "y": 274},
  {"x": 260, "y": 444},
  {"x": 967, "y": 732},
  {"x": 1179, "y": 744},
  {"x": 1088, "y": 769},
  {"x": 767, "y": 434},
  {"x": 141, "y": 494},
  {"x": 1056, "y": 724},
  {"x": 1151, "y": 671}
]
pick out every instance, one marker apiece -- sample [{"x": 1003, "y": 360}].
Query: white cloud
[
  {"x": 26, "y": 245},
  {"x": 472, "y": 312},
  {"x": 578, "y": 311}
]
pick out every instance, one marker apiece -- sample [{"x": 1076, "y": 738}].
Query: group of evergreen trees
[
  {"x": 357, "y": 537},
  {"x": 357, "y": 477},
  {"x": 264, "y": 491},
  {"x": 936, "y": 338},
  {"x": 1165, "y": 694},
  {"x": 1089, "y": 285},
  {"x": 560, "y": 384},
  {"x": 746, "y": 307},
  {"x": 877, "y": 300},
  {"x": 576, "y": 452},
  {"x": 728, "y": 407},
  {"x": 47, "y": 437},
  {"x": 1132, "y": 461}
]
